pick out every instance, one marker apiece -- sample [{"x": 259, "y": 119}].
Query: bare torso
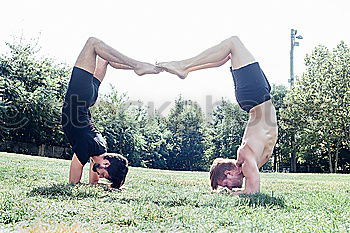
[
  {"x": 258, "y": 141},
  {"x": 261, "y": 132}
]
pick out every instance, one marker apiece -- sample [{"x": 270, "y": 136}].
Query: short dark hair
[
  {"x": 217, "y": 170},
  {"x": 117, "y": 170}
]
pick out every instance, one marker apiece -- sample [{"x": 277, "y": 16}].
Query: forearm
[
  {"x": 252, "y": 177},
  {"x": 252, "y": 184},
  {"x": 75, "y": 174},
  {"x": 76, "y": 171}
]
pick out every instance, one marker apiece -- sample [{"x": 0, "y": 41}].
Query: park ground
[{"x": 35, "y": 197}]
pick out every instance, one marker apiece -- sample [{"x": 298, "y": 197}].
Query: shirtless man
[
  {"x": 87, "y": 143},
  {"x": 253, "y": 95}
]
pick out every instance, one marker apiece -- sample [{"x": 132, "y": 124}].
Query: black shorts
[
  {"x": 84, "y": 85},
  {"x": 251, "y": 86},
  {"x": 81, "y": 94}
]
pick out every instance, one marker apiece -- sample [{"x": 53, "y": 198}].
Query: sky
[{"x": 159, "y": 30}]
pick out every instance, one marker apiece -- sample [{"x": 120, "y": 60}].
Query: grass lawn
[{"x": 34, "y": 197}]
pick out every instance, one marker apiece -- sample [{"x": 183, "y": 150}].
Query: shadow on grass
[
  {"x": 261, "y": 199},
  {"x": 57, "y": 191},
  {"x": 80, "y": 191},
  {"x": 166, "y": 201},
  {"x": 256, "y": 200}
]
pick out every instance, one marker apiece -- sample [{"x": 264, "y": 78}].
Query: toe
[{"x": 160, "y": 64}]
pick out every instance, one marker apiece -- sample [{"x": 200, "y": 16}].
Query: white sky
[{"x": 157, "y": 30}]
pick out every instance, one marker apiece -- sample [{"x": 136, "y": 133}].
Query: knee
[
  {"x": 92, "y": 41},
  {"x": 231, "y": 42},
  {"x": 234, "y": 38}
]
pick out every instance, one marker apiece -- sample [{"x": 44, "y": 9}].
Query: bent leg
[
  {"x": 101, "y": 68},
  {"x": 93, "y": 47},
  {"x": 213, "y": 57},
  {"x": 240, "y": 55}
]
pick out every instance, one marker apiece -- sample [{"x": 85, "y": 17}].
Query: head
[
  {"x": 225, "y": 173},
  {"x": 113, "y": 167}
]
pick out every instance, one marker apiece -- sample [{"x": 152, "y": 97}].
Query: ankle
[
  {"x": 182, "y": 65},
  {"x": 137, "y": 65}
]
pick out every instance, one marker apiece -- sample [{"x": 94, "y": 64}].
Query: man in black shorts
[
  {"x": 87, "y": 143},
  {"x": 253, "y": 95}
]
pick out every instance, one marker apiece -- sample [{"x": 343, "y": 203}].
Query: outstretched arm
[{"x": 246, "y": 160}]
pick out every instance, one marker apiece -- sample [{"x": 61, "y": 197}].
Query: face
[
  {"x": 100, "y": 168},
  {"x": 234, "y": 179}
]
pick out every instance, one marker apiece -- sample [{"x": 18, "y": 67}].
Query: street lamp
[{"x": 293, "y": 43}]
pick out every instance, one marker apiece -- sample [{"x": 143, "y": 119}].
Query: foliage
[
  {"x": 32, "y": 95},
  {"x": 281, "y": 155},
  {"x": 186, "y": 124},
  {"x": 118, "y": 123},
  {"x": 155, "y": 149},
  {"x": 130, "y": 132},
  {"x": 225, "y": 132},
  {"x": 318, "y": 107}
]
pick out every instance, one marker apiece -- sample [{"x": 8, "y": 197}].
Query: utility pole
[{"x": 293, "y": 43}]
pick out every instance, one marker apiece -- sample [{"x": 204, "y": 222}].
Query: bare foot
[
  {"x": 173, "y": 67},
  {"x": 147, "y": 68}
]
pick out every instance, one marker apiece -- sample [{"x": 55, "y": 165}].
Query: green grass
[{"x": 34, "y": 196}]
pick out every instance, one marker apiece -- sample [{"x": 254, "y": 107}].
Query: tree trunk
[
  {"x": 41, "y": 150},
  {"x": 275, "y": 157},
  {"x": 336, "y": 158},
  {"x": 330, "y": 162},
  {"x": 293, "y": 162}
]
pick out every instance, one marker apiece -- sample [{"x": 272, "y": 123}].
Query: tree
[
  {"x": 117, "y": 120},
  {"x": 318, "y": 105},
  {"x": 32, "y": 95},
  {"x": 130, "y": 131},
  {"x": 186, "y": 142},
  {"x": 224, "y": 134},
  {"x": 282, "y": 147},
  {"x": 155, "y": 135}
]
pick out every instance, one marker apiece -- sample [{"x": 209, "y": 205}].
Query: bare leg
[
  {"x": 213, "y": 57},
  {"x": 101, "y": 68},
  {"x": 210, "y": 65},
  {"x": 120, "y": 66},
  {"x": 93, "y": 47}
]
